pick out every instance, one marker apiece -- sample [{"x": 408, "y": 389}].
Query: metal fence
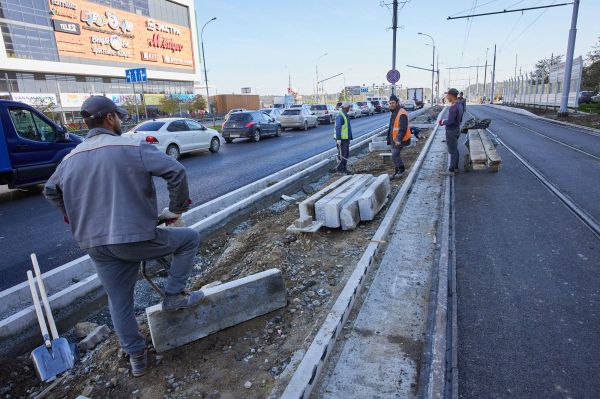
[{"x": 544, "y": 89}]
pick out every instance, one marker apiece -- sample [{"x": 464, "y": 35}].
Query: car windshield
[
  {"x": 267, "y": 111},
  {"x": 362, "y": 103},
  {"x": 291, "y": 112},
  {"x": 239, "y": 117},
  {"x": 320, "y": 107},
  {"x": 152, "y": 126}
]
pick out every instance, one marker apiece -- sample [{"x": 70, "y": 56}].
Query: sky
[{"x": 259, "y": 43}]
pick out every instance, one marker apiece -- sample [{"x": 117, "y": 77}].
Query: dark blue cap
[{"x": 97, "y": 107}]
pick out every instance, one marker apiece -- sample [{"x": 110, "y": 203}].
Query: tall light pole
[
  {"x": 432, "y": 63},
  {"x": 317, "y": 72},
  {"x": 204, "y": 61},
  {"x": 289, "y": 79},
  {"x": 564, "y": 100}
]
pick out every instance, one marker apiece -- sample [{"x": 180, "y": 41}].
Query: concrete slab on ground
[
  {"x": 381, "y": 356},
  {"x": 224, "y": 306}
]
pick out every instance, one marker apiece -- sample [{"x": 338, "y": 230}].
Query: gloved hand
[
  {"x": 396, "y": 142},
  {"x": 338, "y": 142},
  {"x": 171, "y": 218},
  {"x": 442, "y": 122}
]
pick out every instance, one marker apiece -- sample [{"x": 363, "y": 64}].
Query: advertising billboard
[{"x": 93, "y": 31}]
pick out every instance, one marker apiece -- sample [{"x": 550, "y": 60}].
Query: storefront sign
[
  {"x": 156, "y": 26},
  {"x": 186, "y": 98},
  {"x": 35, "y": 99},
  {"x": 73, "y": 100},
  {"x": 123, "y": 99},
  {"x": 107, "y": 34},
  {"x": 168, "y": 59},
  {"x": 72, "y": 28},
  {"x": 153, "y": 99},
  {"x": 147, "y": 56}
]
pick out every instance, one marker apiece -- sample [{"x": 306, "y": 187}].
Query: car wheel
[
  {"x": 173, "y": 151},
  {"x": 228, "y": 140},
  {"x": 215, "y": 144},
  {"x": 256, "y": 137},
  {"x": 278, "y": 131},
  {"x": 305, "y": 127}
]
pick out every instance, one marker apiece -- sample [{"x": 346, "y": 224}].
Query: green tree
[
  {"x": 198, "y": 103},
  {"x": 542, "y": 68},
  {"x": 591, "y": 70},
  {"x": 130, "y": 106},
  {"x": 45, "y": 106},
  {"x": 343, "y": 96},
  {"x": 169, "y": 105}
]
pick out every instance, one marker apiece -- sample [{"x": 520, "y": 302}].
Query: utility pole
[
  {"x": 564, "y": 100},
  {"x": 204, "y": 62},
  {"x": 485, "y": 71},
  {"x": 493, "y": 77},
  {"x": 516, "y": 58},
  {"x": 477, "y": 82},
  {"x": 394, "y": 28}
]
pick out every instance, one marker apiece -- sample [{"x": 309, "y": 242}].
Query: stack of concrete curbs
[{"x": 343, "y": 204}]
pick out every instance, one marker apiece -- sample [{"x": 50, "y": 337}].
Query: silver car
[
  {"x": 273, "y": 112},
  {"x": 355, "y": 111},
  {"x": 325, "y": 113},
  {"x": 366, "y": 107},
  {"x": 299, "y": 118}
]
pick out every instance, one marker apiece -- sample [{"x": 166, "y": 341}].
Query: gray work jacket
[{"x": 105, "y": 189}]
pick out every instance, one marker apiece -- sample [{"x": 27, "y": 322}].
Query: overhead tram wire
[
  {"x": 468, "y": 31},
  {"x": 516, "y": 22},
  {"x": 509, "y": 11},
  {"x": 529, "y": 26}
]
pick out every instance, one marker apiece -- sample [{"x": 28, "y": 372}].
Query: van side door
[{"x": 35, "y": 147}]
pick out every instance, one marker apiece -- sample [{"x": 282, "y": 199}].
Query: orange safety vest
[{"x": 396, "y": 128}]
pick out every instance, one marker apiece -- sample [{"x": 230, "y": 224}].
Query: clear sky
[{"x": 251, "y": 42}]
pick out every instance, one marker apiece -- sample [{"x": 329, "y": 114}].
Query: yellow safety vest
[{"x": 344, "y": 130}]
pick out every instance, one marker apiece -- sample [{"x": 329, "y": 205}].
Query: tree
[
  {"x": 343, "y": 96},
  {"x": 130, "y": 106},
  {"x": 198, "y": 103},
  {"x": 591, "y": 70},
  {"x": 45, "y": 106},
  {"x": 169, "y": 105},
  {"x": 542, "y": 68}
]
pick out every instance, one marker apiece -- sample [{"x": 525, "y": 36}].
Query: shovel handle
[
  {"x": 38, "y": 308},
  {"x": 44, "y": 295}
]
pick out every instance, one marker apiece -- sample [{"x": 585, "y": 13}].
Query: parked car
[
  {"x": 409, "y": 105},
  {"x": 176, "y": 136},
  {"x": 385, "y": 105},
  {"x": 596, "y": 98},
  {"x": 233, "y": 111},
  {"x": 366, "y": 108},
  {"x": 31, "y": 145},
  {"x": 251, "y": 124},
  {"x": 325, "y": 112},
  {"x": 273, "y": 112},
  {"x": 377, "y": 105},
  {"x": 301, "y": 118},
  {"x": 585, "y": 97},
  {"x": 355, "y": 111},
  {"x": 307, "y": 106}
]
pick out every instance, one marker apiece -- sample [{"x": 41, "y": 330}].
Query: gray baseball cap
[
  {"x": 97, "y": 107},
  {"x": 345, "y": 104},
  {"x": 453, "y": 92}
]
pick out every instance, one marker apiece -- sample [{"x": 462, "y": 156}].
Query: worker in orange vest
[{"x": 398, "y": 135}]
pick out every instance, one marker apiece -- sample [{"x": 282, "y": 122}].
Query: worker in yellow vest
[
  {"x": 398, "y": 135},
  {"x": 342, "y": 133}
]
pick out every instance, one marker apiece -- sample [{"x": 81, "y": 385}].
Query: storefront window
[
  {"x": 30, "y": 11},
  {"x": 30, "y": 43}
]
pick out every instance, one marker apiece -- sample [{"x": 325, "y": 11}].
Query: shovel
[{"x": 56, "y": 355}]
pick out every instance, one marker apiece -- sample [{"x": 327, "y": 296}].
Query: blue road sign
[
  {"x": 364, "y": 89},
  {"x": 136, "y": 75},
  {"x": 393, "y": 76}
]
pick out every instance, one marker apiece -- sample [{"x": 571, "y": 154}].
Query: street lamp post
[
  {"x": 289, "y": 79},
  {"x": 432, "y": 64},
  {"x": 317, "y": 72},
  {"x": 204, "y": 61}
]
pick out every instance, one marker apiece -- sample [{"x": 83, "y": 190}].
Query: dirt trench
[{"x": 247, "y": 360}]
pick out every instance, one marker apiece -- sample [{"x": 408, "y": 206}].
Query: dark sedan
[
  {"x": 378, "y": 107},
  {"x": 250, "y": 124}
]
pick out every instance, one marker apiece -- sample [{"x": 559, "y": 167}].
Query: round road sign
[{"x": 393, "y": 76}]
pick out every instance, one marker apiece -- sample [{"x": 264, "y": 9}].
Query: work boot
[
  {"x": 183, "y": 300},
  {"x": 139, "y": 363},
  {"x": 398, "y": 172}
]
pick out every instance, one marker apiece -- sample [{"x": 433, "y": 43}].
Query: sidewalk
[{"x": 381, "y": 354}]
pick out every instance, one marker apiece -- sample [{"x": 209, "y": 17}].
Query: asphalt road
[
  {"x": 28, "y": 223},
  {"x": 527, "y": 267}
]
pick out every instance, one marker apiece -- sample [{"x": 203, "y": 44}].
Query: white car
[
  {"x": 366, "y": 108},
  {"x": 325, "y": 112},
  {"x": 355, "y": 111},
  {"x": 175, "y": 136},
  {"x": 409, "y": 105},
  {"x": 301, "y": 118},
  {"x": 272, "y": 112}
]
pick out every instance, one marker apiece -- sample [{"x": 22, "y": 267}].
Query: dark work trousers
[
  {"x": 117, "y": 266},
  {"x": 396, "y": 159},
  {"x": 452, "y": 136},
  {"x": 343, "y": 155}
]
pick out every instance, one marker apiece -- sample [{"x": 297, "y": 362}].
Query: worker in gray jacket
[{"x": 105, "y": 191}]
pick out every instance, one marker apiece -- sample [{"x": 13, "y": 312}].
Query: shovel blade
[{"x": 50, "y": 362}]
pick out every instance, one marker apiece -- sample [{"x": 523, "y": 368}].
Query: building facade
[{"x": 56, "y": 53}]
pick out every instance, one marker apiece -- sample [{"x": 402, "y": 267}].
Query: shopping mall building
[{"x": 59, "y": 52}]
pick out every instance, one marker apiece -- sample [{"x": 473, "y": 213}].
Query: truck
[
  {"x": 416, "y": 95},
  {"x": 31, "y": 145},
  {"x": 283, "y": 101}
]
